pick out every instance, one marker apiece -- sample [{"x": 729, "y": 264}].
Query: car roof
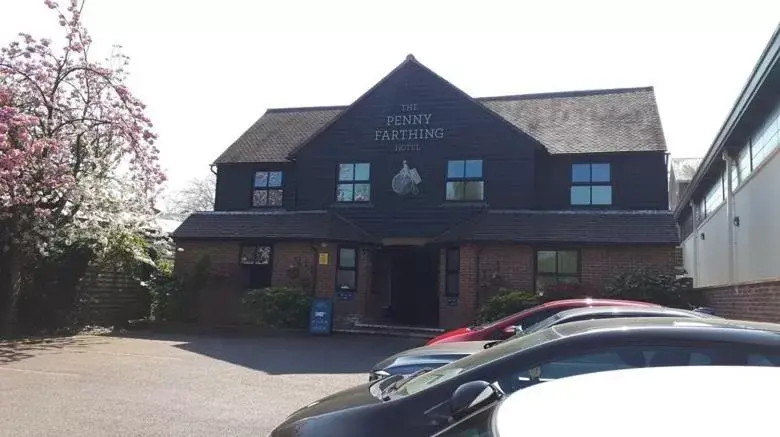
[
  {"x": 619, "y": 323},
  {"x": 596, "y": 301},
  {"x": 649, "y": 310},
  {"x": 697, "y": 400}
]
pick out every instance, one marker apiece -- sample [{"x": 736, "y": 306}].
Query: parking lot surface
[{"x": 167, "y": 385}]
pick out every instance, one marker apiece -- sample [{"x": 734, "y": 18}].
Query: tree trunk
[{"x": 10, "y": 289}]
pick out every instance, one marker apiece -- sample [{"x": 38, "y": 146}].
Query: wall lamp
[
  {"x": 702, "y": 236},
  {"x": 736, "y": 221}
]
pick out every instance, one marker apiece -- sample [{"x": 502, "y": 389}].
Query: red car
[{"x": 504, "y": 328}]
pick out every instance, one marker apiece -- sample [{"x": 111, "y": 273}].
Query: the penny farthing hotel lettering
[{"x": 408, "y": 126}]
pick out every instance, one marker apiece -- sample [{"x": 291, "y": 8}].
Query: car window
[
  {"x": 476, "y": 425},
  {"x": 763, "y": 360},
  {"x": 615, "y": 358},
  {"x": 527, "y": 321}
]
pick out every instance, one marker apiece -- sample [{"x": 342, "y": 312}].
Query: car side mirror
[
  {"x": 513, "y": 330},
  {"x": 472, "y": 396}
]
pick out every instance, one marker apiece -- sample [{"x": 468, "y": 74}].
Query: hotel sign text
[{"x": 408, "y": 126}]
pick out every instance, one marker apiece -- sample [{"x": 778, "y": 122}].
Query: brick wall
[
  {"x": 514, "y": 264},
  {"x": 759, "y": 301},
  {"x": 598, "y": 264}
]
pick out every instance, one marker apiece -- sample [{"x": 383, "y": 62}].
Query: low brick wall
[{"x": 758, "y": 301}]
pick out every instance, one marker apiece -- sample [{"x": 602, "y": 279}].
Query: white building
[{"x": 729, "y": 216}]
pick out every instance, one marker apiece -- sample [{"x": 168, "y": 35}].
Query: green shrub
[
  {"x": 277, "y": 307},
  {"x": 175, "y": 298},
  {"x": 562, "y": 290},
  {"x": 506, "y": 302},
  {"x": 657, "y": 286}
]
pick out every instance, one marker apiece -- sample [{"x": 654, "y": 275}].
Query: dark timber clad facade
[{"x": 403, "y": 204}]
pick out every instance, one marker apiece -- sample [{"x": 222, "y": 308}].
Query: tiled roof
[
  {"x": 600, "y": 121},
  {"x": 685, "y": 168},
  {"x": 308, "y": 225},
  {"x": 599, "y": 227}
]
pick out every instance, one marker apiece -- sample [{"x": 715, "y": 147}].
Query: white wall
[
  {"x": 688, "y": 255},
  {"x": 757, "y": 204},
  {"x": 713, "y": 265}
]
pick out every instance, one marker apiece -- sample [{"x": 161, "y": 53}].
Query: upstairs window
[
  {"x": 464, "y": 180},
  {"x": 268, "y": 190},
  {"x": 714, "y": 197},
  {"x": 354, "y": 183},
  {"x": 591, "y": 184}
]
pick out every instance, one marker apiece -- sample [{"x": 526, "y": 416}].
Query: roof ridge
[
  {"x": 307, "y": 108},
  {"x": 562, "y": 94}
]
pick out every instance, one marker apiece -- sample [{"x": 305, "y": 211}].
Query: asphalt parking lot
[{"x": 168, "y": 385}]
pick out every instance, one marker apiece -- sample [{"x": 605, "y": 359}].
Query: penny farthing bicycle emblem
[{"x": 406, "y": 181}]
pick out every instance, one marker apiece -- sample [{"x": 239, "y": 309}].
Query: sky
[{"x": 207, "y": 70}]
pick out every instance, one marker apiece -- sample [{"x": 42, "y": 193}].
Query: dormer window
[
  {"x": 591, "y": 184},
  {"x": 268, "y": 190}
]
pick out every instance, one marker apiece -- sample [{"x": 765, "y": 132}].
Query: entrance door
[{"x": 414, "y": 296}]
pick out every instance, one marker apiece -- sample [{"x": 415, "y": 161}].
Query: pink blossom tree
[{"x": 77, "y": 154}]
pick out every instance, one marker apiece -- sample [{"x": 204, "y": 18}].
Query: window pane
[
  {"x": 567, "y": 261},
  {"x": 260, "y": 198},
  {"x": 248, "y": 254},
  {"x": 474, "y": 190},
  {"x": 261, "y": 179},
  {"x": 263, "y": 255},
  {"x": 602, "y": 194},
  {"x": 362, "y": 192},
  {"x": 275, "y": 197},
  {"x": 453, "y": 282},
  {"x": 474, "y": 168},
  {"x": 542, "y": 282},
  {"x": 346, "y": 257},
  {"x": 362, "y": 172},
  {"x": 580, "y": 173},
  {"x": 599, "y": 173},
  {"x": 453, "y": 260},
  {"x": 345, "y": 192},
  {"x": 345, "y": 280},
  {"x": 275, "y": 179},
  {"x": 346, "y": 172},
  {"x": 580, "y": 195},
  {"x": 455, "y": 169},
  {"x": 455, "y": 190},
  {"x": 545, "y": 261}
]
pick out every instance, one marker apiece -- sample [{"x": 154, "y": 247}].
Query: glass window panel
[
  {"x": 599, "y": 173},
  {"x": 453, "y": 282},
  {"x": 260, "y": 198},
  {"x": 580, "y": 195},
  {"x": 602, "y": 195},
  {"x": 275, "y": 179},
  {"x": 567, "y": 261},
  {"x": 456, "y": 169},
  {"x": 275, "y": 197},
  {"x": 474, "y": 168},
  {"x": 362, "y": 172},
  {"x": 346, "y": 172},
  {"x": 453, "y": 260},
  {"x": 261, "y": 179},
  {"x": 474, "y": 190},
  {"x": 545, "y": 261},
  {"x": 362, "y": 192},
  {"x": 580, "y": 173},
  {"x": 345, "y": 279},
  {"x": 248, "y": 254},
  {"x": 346, "y": 257},
  {"x": 455, "y": 190},
  {"x": 263, "y": 255},
  {"x": 345, "y": 193}
]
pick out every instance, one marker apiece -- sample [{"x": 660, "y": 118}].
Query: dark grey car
[{"x": 437, "y": 355}]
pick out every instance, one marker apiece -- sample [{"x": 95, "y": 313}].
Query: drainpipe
[
  {"x": 730, "y": 216},
  {"x": 314, "y": 269},
  {"x": 694, "y": 220},
  {"x": 212, "y": 167}
]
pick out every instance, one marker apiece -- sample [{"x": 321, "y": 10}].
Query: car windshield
[
  {"x": 546, "y": 323},
  {"x": 449, "y": 371}
]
